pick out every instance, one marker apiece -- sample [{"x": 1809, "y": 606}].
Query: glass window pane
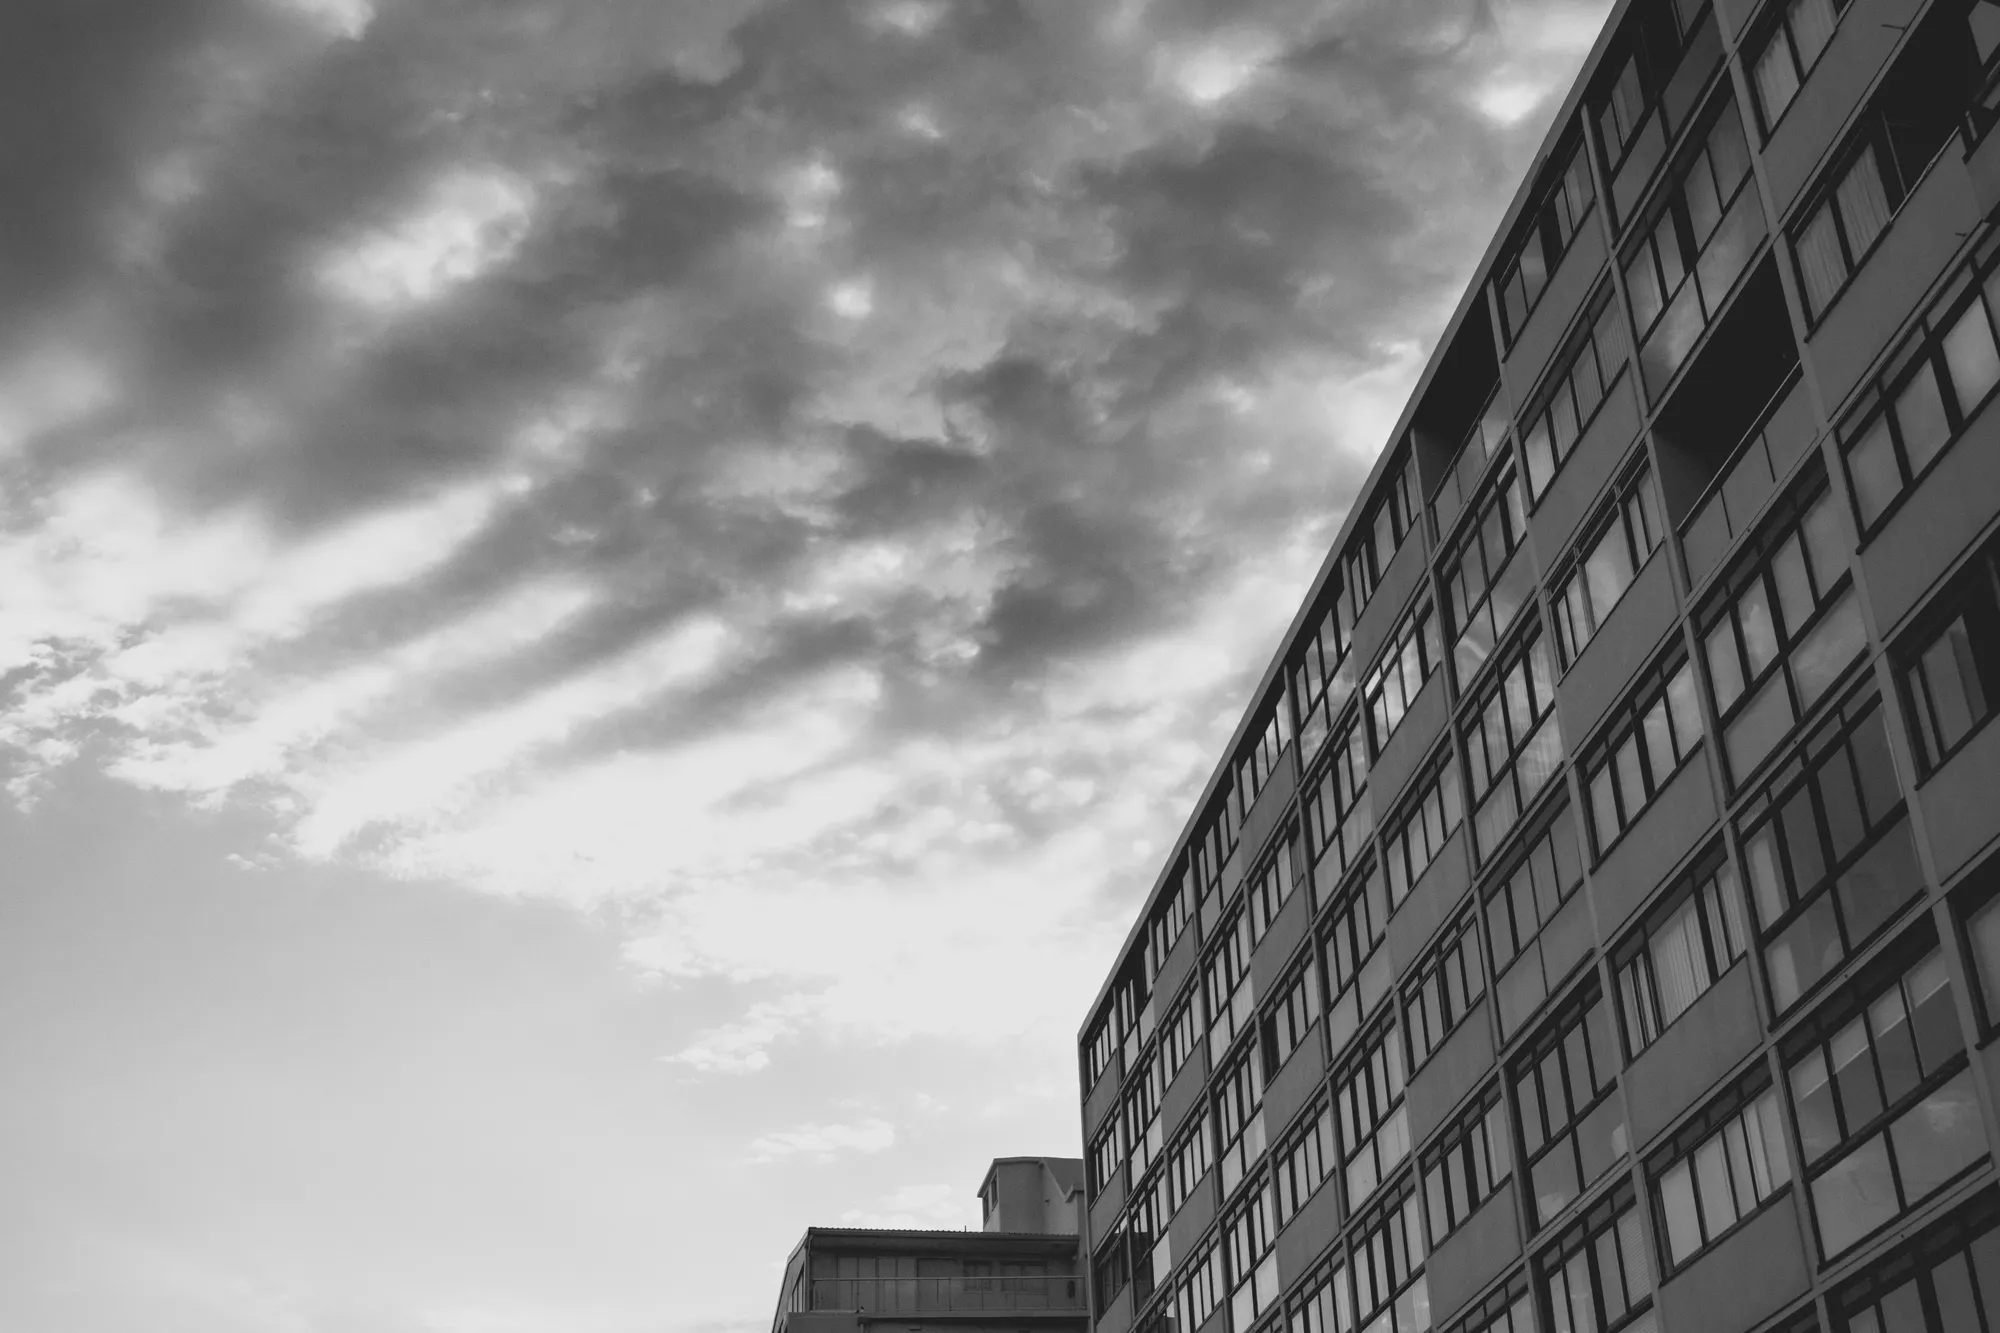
[
  {"x": 1973, "y": 360},
  {"x": 1821, "y": 268},
  {"x": 1677, "y": 1201},
  {"x": 1864, "y": 206},
  {"x": 1776, "y": 79},
  {"x": 1760, "y": 634},
  {"x": 1811, "y": 22},
  {"x": 1724, "y": 672},
  {"x": 1871, "y": 465},
  {"x": 1920, "y": 418},
  {"x": 1854, "y": 1197},
  {"x": 1938, "y": 1137},
  {"x": 1812, "y": 1102},
  {"x": 1660, "y": 757},
  {"x": 1788, "y": 571}
]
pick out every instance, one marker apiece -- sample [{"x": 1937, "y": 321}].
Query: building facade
[
  {"x": 1020, "y": 1273},
  {"x": 1592, "y": 924}
]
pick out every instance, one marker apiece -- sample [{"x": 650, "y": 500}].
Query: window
[
  {"x": 1614, "y": 548},
  {"x": 1938, "y": 379},
  {"x": 1569, "y": 404},
  {"x": 1200, "y": 1287},
  {"x": 1466, "y": 1163},
  {"x": 1949, "y": 666},
  {"x": 1105, "y": 1158},
  {"x": 1599, "y": 1276},
  {"x": 1304, "y": 1160},
  {"x": 1098, "y": 1048},
  {"x": 1108, "y": 1272},
  {"x": 1507, "y": 1310},
  {"x": 1382, "y": 532},
  {"x": 1248, "y": 1232},
  {"x": 1339, "y": 815},
  {"x": 1358, "y": 973},
  {"x": 1939, "y": 1283},
  {"x": 1208, "y": 851},
  {"x": 1417, "y": 832},
  {"x": 1719, "y": 1168},
  {"x": 1374, "y": 1127},
  {"x": 1170, "y": 917},
  {"x": 1179, "y": 1034},
  {"x": 1271, "y": 886},
  {"x": 1979, "y": 906},
  {"x": 1132, "y": 1009},
  {"x": 1139, "y": 1116},
  {"x": 1406, "y": 664},
  {"x": 1524, "y": 273},
  {"x": 1448, "y": 982},
  {"x": 1828, "y": 852},
  {"x": 1285, "y": 1027},
  {"x": 1691, "y": 249},
  {"x": 1512, "y": 744},
  {"x": 1322, "y": 1305},
  {"x": 1572, "y": 1125},
  {"x": 1261, "y": 759},
  {"x": 1914, "y": 113},
  {"x": 1227, "y": 986},
  {"x": 1486, "y": 438},
  {"x": 1643, "y": 743},
  {"x": 1390, "y": 1294},
  {"x": 1687, "y": 941},
  {"x": 1789, "y": 52},
  {"x": 1146, "y": 1244},
  {"x": 1782, "y": 628},
  {"x": 1239, "y": 1116},
  {"x": 1520, "y": 904},
  {"x": 1188, "y": 1161},
  {"x": 1321, "y": 682},
  {"x": 1671, "y": 51},
  {"x": 1883, "y": 1097},
  {"x": 1486, "y": 582}
]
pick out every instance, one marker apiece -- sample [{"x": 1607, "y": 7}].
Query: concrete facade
[{"x": 1691, "y": 948}]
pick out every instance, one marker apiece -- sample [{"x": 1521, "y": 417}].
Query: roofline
[{"x": 1364, "y": 495}]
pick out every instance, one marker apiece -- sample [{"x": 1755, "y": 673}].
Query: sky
[{"x": 608, "y": 607}]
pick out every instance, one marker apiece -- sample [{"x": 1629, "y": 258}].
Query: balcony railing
[
  {"x": 948, "y": 1295},
  {"x": 1754, "y": 471}
]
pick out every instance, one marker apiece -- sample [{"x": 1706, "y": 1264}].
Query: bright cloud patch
[{"x": 823, "y": 1143}]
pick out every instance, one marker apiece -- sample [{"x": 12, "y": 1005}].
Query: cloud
[
  {"x": 823, "y": 1143},
  {"x": 928, "y": 1207}
]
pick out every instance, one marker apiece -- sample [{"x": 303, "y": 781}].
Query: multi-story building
[
  {"x": 1019, "y": 1273},
  {"x": 1592, "y": 923}
]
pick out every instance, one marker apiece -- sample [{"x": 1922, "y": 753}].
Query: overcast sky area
[{"x": 607, "y": 607}]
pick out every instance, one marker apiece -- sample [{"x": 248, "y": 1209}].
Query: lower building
[{"x": 1019, "y": 1274}]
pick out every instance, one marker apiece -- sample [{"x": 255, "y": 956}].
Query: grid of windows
[
  {"x": 1339, "y": 815},
  {"x": 1525, "y": 272},
  {"x": 1357, "y": 970},
  {"x": 1784, "y": 626},
  {"x": 1227, "y": 986},
  {"x": 1446, "y": 982},
  {"x": 1687, "y": 941},
  {"x": 1390, "y": 1294},
  {"x": 1788, "y": 53},
  {"x": 1508, "y": 1310},
  {"x": 1883, "y": 1099},
  {"x": 1188, "y": 1160},
  {"x": 1304, "y": 1159},
  {"x": 1643, "y": 743},
  {"x": 1946, "y": 1281},
  {"x": 1293, "y": 1014},
  {"x": 1139, "y": 1117},
  {"x": 1098, "y": 1048},
  {"x": 1418, "y": 831},
  {"x": 1519, "y": 904},
  {"x": 1199, "y": 1290},
  {"x": 1150, "y": 1258},
  {"x": 1719, "y": 1168},
  {"x": 1935, "y": 383},
  {"x": 1512, "y": 746},
  {"x": 1466, "y": 1164},
  {"x": 1486, "y": 438},
  {"x": 1132, "y": 1009},
  {"x": 1249, "y": 1231},
  {"x": 1486, "y": 580},
  {"x": 1261, "y": 759},
  {"x": 1108, "y": 1272},
  {"x": 1105, "y": 1159},
  {"x": 1568, "y": 406},
  {"x": 1393, "y": 515},
  {"x": 1374, "y": 1125},
  {"x": 1321, "y": 684},
  {"x": 1322, "y": 1304},
  {"x": 1407, "y": 662},
  {"x": 1912, "y": 116},
  {"x": 1572, "y": 1125},
  {"x": 1598, "y": 1278},
  {"x": 1271, "y": 887},
  {"x": 1949, "y": 666},
  {"x": 1671, "y": 52},
  {"x": 1608, "y": 557},
  {"x": 1239, "y": 1116},
  {"x": 1170, "y": 918},
  {"x": 1978, "y": 903},
  {"x": 1690, "y": 253},
  {"x": 1828, "y": 851}
]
